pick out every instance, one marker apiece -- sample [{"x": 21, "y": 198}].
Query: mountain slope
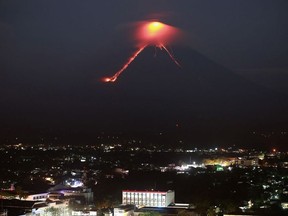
[{"x": 200, "y": 92}]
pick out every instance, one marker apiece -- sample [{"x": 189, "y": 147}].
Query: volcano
[
  {"x": 200, "y": 96},
  {"x": 201, "y": 101}
]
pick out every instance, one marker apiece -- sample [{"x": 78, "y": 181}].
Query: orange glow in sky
[
  {"x": 155, "y": 33},
  {"x": 155, "y": 27}
]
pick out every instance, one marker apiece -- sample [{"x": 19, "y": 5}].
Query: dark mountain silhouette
[
  {"x": 202, "y": 101},
  {"x": 154, "y": 92}
]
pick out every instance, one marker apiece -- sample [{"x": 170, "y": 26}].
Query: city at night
[{"x": 144, "y": 108}]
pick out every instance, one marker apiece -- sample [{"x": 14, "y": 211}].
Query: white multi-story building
[{"x": 148, "y": 198}]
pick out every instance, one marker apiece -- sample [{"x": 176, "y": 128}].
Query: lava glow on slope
[{"x": 153, "y": 33}]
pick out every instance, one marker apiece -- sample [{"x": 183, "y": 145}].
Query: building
[
  {"x": 37, "y": 197},
  {"x": 246, "y": 162},
  {"x": 284, "y": 205},
  {"x": 165, "y": 211},
  {"x": 148, "y": 198},
  {"x": 84, "y": 212},
  {"x": 82, "y": 194},
  {"x": 124, "y": 210},
  {"x": 3, "y": 212},
  {"x": 24, "y": 207}
]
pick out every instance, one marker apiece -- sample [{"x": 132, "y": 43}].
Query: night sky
[{"x": 233, "y": 79}]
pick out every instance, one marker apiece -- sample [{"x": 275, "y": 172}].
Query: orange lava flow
[
  {"x": 171, "y": 56},
  {"x": 118, "y": 73},
  {"x": 152, "y": 33}
]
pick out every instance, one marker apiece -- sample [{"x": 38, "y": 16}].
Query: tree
[
  {"x": 7, "y": 195},
  {"x": 53, "y": 211},
  {"x": 107, "y": 202},
  {"x": 211, "y": 211},
  {"x": 186, "y": 213},
  {"x": 202, "y": 206},
  {"x": 229, "y": 206},
  {"x": 149, "y": 213},
  {"x": 22, "y": 194}
]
